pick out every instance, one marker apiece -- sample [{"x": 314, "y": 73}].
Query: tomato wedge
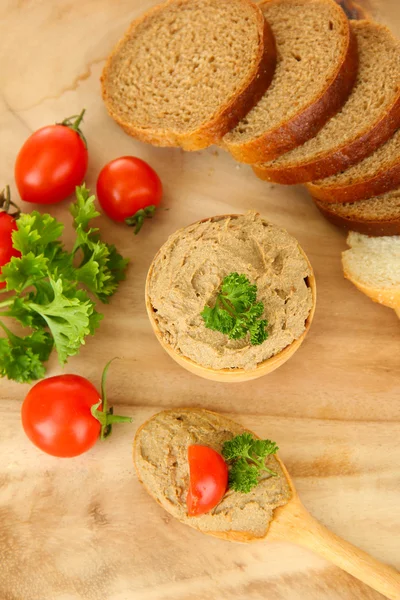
[{"x": 208, "y": 479}]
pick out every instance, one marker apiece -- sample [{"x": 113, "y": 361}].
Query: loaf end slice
[
  {"x": 187, "y": 71},
  {"x": 316, "y": 70},
  {"x": 375, "y": 216},
  {"x": 367, "y": 120},
  {"x": 375, "y": 175},
  {"x": 373, "y": 266}
]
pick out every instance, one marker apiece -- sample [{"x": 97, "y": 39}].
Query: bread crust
[
  {"x": 228, "y": 116},
  {"x": 373, "y": 228},
  {"x": 342, "y": 158},
  {"x": 237, "y": 536},
  {"x": 306, "y": 124},
  {"x": 389, "y": 298},
  {"x": 232, "y": 536},
  {"x": 384, "y": 181}
]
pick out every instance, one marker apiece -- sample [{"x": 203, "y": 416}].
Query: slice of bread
[
  {"x": 367, "y": 120},
  {"x": 375, "y": 175},
  {"x": 187, "y": 71},
  {"x": 376, "y": 216},
  {"x": 316, "y": 70},
  {"x": 373, "y": 265}
]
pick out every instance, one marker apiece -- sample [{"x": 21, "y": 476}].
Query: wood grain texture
[{"x": 84, "y": 529}]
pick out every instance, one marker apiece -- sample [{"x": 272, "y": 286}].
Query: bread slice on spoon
[{"x": 271, "y": 510}]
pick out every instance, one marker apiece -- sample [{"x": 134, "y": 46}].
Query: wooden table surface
[{"x": 84, "y": 529}]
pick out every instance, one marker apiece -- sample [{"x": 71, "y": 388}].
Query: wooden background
[{"x": 84, "y": 529}]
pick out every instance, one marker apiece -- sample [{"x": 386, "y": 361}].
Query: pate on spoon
[{"x": 271, "y": 509}]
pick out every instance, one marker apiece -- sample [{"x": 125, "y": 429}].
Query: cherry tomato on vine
[
  {"x": 129, "y": 190},
  {"x": 7, "y": 226},
  {"x": 208, "y": 479},
  {"x": 52, "y": 162},
  {"x": 65, "y": 415}
]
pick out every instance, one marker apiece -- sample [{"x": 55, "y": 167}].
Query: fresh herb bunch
[
  {"x": 53, "y": 288},
  {"x": 237, "y": 312},
  {"x": 247, "y": 455}
]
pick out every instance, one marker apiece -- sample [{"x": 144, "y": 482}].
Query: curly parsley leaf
[
  {"x": 243, "y": 477},
  {"x": 218, "y": 320},
  {"x": 238, "y": 446},
  {"x": 22, "y": 358},
  {"x": 258, "y": 332},
  {"x": 239, "y": 291},
  {"x": 49, "y": 288},
  {"x": 22, "y": 272},
  {"x": 37, "y": 233},
  {"x": 83, "y": 210},
  {"x": 101, "y": 267},
  {"x": 19, "y": 310},
  {"x": 246, "y": 455},
  {"x": 68, "y": 320},
  {"x": 236, "y": 312}
]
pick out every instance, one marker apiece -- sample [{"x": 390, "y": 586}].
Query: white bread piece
[{"x": 373, "y": 265}]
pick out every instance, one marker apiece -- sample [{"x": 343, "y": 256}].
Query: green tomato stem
[
  {"x": 5, "y": 203},
  {"x": 138, "y": 219},
  {"x": 6, "y": 303},
  {"x": 6, "y": 330},
  {"x": 79, "y": 120},
  {"x": 75, "y": 124},
  {"x": 105, "y": 416}
]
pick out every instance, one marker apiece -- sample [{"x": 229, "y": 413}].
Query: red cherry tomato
[
  {"x": 208, "y": 479},
  {"x": 56, "y": 415},
  {"x": 7, "y": 226},
  {"x": 129, "y": 190},
  {"x": 52, "y": 162}
]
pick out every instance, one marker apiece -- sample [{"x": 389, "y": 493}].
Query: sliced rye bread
[
  {"x": 373, "y": 266},
  {"x": 316, "y": 70},
  {"x": 367, "y": 120},
  {"x": 375, "y": 216},
  {"x": 187, "y": 71},
  {"x": 375, "y": 175}
]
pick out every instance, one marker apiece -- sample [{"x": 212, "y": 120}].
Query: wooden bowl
[{"x": 232, "y": 375}]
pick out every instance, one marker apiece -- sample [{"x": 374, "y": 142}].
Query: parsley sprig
[
  {"x": 52, "y": 290},
  {"x": 236, "y": 312},
  {"x": 247, "y": 455}
]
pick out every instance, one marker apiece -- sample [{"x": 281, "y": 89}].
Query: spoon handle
[{"x": 298, "y": 526}]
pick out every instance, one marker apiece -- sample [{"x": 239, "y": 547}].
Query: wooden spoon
[{"x": 293, "y": 523}]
